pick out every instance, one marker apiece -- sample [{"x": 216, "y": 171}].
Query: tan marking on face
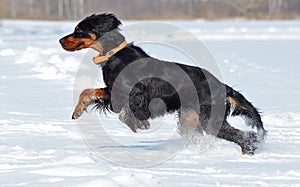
[
  {"x": 97, "y": 46},
  {"x": 93, "y": 36},
  {"x": 73, "y": 44}
]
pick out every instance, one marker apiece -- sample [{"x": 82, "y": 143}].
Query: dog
[{"x": 140, "y": 87}]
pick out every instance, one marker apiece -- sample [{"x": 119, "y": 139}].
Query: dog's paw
[
  {"x": 78, "y": 112},
  {"x": 143, "y": 124},
  {"x": 126, "y": 117},
  {"x": 250, "y": 144},
  {"x": 75, "y": 116},
  {"x": 86, "y": 98}
]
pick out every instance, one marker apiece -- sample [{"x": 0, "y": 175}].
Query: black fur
[
  {"x": 154, "y": 96},
  {"x": 99, "y": 24}
]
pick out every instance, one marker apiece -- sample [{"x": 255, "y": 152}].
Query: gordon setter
[{"x": 140, "y": 87}]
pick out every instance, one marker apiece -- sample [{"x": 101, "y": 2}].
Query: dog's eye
[{"x": 77, "y": 29}]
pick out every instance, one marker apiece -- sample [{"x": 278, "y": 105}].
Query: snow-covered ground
[{"x": 41, "y": 146}]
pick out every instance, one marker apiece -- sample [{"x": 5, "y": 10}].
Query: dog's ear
[
  {"x": 101, "y": 23},
  {"x": 107, "y": 22}
]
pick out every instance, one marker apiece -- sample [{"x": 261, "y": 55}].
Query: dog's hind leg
[
  {"x": 241, "y": 107},
  {"x": 88, "y": 97},
  {"x": 189, "y": 120},
  {"x": 189, "y": 125},
  {"x": 247, "y": 140}
]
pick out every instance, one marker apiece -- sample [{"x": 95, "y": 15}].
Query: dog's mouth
[
  {"x": 79, "y": 44},
  {"x": 72, "y": 44},
  {"x": 76, "y": 46},
  {"x": 71, "y": 49}
]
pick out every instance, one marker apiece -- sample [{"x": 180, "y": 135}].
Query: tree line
[{"x": 150, "y": 9}]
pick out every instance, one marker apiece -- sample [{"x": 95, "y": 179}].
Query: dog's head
[{"x": 88, "y": 32}]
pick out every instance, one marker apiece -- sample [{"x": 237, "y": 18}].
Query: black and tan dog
[{"x": 140, "y": 87}]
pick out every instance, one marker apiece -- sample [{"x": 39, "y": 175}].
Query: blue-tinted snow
[{"x": 41, "y": 146}]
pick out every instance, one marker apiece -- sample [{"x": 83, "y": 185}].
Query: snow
[
  {"x": 41, "y": 146},
  {"x": 7, "y": 52}
]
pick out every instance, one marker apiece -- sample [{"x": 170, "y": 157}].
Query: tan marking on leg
[
  {"x": 190, "y": 118},
  {"x": 87, "y": 97},
  {"x": 232, "y": 102},
  {"x": 99, "y": 93},
  {"x": 233, "y": 129},
  {"x": 243, "y": 151}
]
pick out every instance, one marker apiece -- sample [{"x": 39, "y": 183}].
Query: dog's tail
[{"x": 241, "y": 107}]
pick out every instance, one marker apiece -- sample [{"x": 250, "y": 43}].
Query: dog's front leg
[
  {"x": 86, "y": 98},
  {"x": 127, "y": 117}
]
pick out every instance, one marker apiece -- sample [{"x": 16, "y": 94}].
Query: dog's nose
[{"x": 61, "y": 41}]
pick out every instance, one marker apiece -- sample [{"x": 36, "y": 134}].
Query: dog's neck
[
  {"x": 103, "y": 58},
  {"x": 107, "y": 45}
]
